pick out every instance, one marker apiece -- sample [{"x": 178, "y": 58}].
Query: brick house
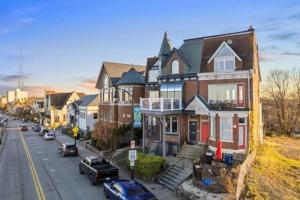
[
  {"x": 117, "y": 77},
  {"x": 206, "y": 90}
]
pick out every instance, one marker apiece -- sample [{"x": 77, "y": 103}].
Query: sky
[{"x": 64, "y": 42}]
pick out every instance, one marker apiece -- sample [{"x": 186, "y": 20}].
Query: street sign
[
  {"x": 137, "y": 117},
  {"x": 132, "y": 163},
  {"x": 132, "y": 155},
  {"x": 132, "y": 144}
]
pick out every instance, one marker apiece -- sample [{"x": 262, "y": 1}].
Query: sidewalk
[{"x": 159, "y": 191}]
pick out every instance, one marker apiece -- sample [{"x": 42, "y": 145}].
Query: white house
[
  {"x": 88, "y": 112},
  {"x": 17, "y": 95}
]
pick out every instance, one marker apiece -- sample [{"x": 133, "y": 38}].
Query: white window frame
[
  {"x": 171, "y": 128},
  {"x": 212, "y": 128},
  {"x": 175, "y": 67},
  {"x": 230, "y": 131},
  {"x": 212, "y": 90},
  {"x": 223, "y": 59},
  {"x": 152, "y": 75}
]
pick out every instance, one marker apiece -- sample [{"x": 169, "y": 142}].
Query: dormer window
[
  {"x": 224, "y": 58},
  {"x": 175, "y": 67},
  {"x": 224, "y": 63},
  {"x": 106, "y": 81}
]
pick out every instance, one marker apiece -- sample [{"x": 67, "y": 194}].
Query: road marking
[
  {"x": 44, "y": 158},
  {"x": 35, "y": 178},
  {"x": 52, "y": 170}
]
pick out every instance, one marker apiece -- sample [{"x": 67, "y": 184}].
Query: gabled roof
[
  {"x": 224, "y": 44},
  {"x": 132, "y": 77},
  {"x": 89, "y": 100},
  {"x": 58, "y": 100},
  {"x": 199, "y": 105},
  {"x": 115, "y": 70}
]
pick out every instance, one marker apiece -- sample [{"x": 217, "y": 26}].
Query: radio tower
[{"x": 21, "y": 82}]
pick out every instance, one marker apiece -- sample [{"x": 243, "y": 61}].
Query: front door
[
  {"x": 204, "y": 132},
  {"x": 242, "y": 136},
  {"x": 193, "y": 132}
]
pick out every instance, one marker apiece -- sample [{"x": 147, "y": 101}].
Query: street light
[{"x": 116, "y": 99}]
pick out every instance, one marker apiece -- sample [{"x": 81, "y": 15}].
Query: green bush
[{"x": 148, "y": 166}]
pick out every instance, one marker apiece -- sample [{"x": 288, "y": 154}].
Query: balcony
[
  {"x": 159, "y": 105},
  {"x": 226, "y": 105}
]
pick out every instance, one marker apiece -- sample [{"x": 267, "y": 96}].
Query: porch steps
[
  {"x": 153, "y": 147},
  {"x": 191, "y": 152},
  {"x": 174, "y": 176}
]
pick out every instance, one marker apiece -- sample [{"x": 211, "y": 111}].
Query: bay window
[
  {"x": 226, "y": 129},
  {"x": 171, "y": 90}
]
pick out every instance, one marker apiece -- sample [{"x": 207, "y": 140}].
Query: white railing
[{"x": 161, "y": 104}]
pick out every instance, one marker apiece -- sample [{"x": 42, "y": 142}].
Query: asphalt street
[{"x": 33, "y": 170}]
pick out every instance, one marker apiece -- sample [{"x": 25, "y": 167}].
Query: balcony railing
[
  {"x": 225, "y": 105},
  {"x": 161, "y": 104}
]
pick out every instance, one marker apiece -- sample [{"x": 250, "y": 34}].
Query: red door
[
  {"x": 204, "y": 132},
  {"x": 242, "y": 136}
]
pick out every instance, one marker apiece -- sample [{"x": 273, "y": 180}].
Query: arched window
[
  {"x": 175, "y": 67},
  {"x": 106, "y": 82}
]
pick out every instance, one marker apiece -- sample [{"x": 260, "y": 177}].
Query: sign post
[
  {"x": 132, "y": 158},
  {"x": 75, "y": 133}
]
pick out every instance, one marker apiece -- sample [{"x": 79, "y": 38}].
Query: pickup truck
[{"x": 98, "y": 170}]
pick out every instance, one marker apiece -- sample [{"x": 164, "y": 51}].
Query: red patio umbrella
[{"x": 219, "y": 151}]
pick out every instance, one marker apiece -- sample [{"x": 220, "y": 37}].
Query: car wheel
[
  {"x": 80, "y": 171},
  {"x": 105, "y": 193},
  {"x": 92, "y": 181}
]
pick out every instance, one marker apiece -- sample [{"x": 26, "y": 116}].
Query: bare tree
[{"x": 282, "y": 91}]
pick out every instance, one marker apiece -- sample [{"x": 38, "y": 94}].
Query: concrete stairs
[{"x": 174, "y": 176}]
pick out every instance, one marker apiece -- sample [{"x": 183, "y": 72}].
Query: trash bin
[
  {"x": 228, "y": 159},
  {"x": 209, "y": 158}
]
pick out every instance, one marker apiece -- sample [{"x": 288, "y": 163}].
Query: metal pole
[{"x": 132, "y": 122}]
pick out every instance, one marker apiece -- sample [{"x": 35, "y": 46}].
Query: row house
[
  {"x": 206, "y": 90},
  {"x": 120, "y": 86},
  {"x": 56, "y": 107}
]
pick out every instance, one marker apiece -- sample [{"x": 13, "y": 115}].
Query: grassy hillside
[{"x": 276, "y": 170}]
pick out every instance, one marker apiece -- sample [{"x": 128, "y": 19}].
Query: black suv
[{"x": 68, "y": 150}]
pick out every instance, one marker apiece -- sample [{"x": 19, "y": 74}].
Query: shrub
[{"x": 148, "y": 166}]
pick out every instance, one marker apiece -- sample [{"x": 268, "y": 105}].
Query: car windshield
[{"x": 136, "y": 191}]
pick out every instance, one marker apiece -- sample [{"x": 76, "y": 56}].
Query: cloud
[
  {"x": 88, "y": 83},
  {"x": 295, "y": 16},
  {"x": 14, "y": 77},
  {"x": 39, "y": 91},
  {"x": 271, "y": 56},
  {"x": 284, "y": 36},
  {"x": 287, "y": 53}
]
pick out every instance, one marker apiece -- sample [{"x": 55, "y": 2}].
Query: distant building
[
  {"x": 3, "y": 101},
  {"x": 88, "y": 112},
  {"x": 17, "y": 96},
  {"x": 55, "y": 105}
]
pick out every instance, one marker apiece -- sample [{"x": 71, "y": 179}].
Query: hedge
[{"x": 148, "y": 166}]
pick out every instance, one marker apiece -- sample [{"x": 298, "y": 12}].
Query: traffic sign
[
  {"x": 132, "y": 163},
  {"x": 75, "y": 131},
  {"x": 132, "y": 155}
]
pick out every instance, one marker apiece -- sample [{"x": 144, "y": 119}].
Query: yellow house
[{"x": 56, "y": 107}]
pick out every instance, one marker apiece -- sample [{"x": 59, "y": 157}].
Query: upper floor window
[
  {"x": 222, "y": 92},
  {"x": 224, "y": 63},
  {"x": 105, "y": 81},
  {"x": 175, "y": 67},
  {"x": 152, "y": 75},
  {"x": 171, "y": 90}
]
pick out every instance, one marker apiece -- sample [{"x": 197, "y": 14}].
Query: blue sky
[{"x": 64, "y": 42}]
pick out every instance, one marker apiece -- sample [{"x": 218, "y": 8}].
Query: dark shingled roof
[
  {"x": 132, "y": 77},
  {"x": 89, "y": 100},
  {"x": 165, "y": 48},
  {"x": 58, "y": 100}
]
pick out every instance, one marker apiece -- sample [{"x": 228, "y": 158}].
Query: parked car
[
  {"x": 49, "y": 135},
  {"x": 98, "y": 170},
  {"x": 126, "y": 190},
  {"x": 36, "y": 128},
  {"x": 68, "y": 150},
  {"x": 23, "y": 127},
  {"x": 42, "y": 132}
]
